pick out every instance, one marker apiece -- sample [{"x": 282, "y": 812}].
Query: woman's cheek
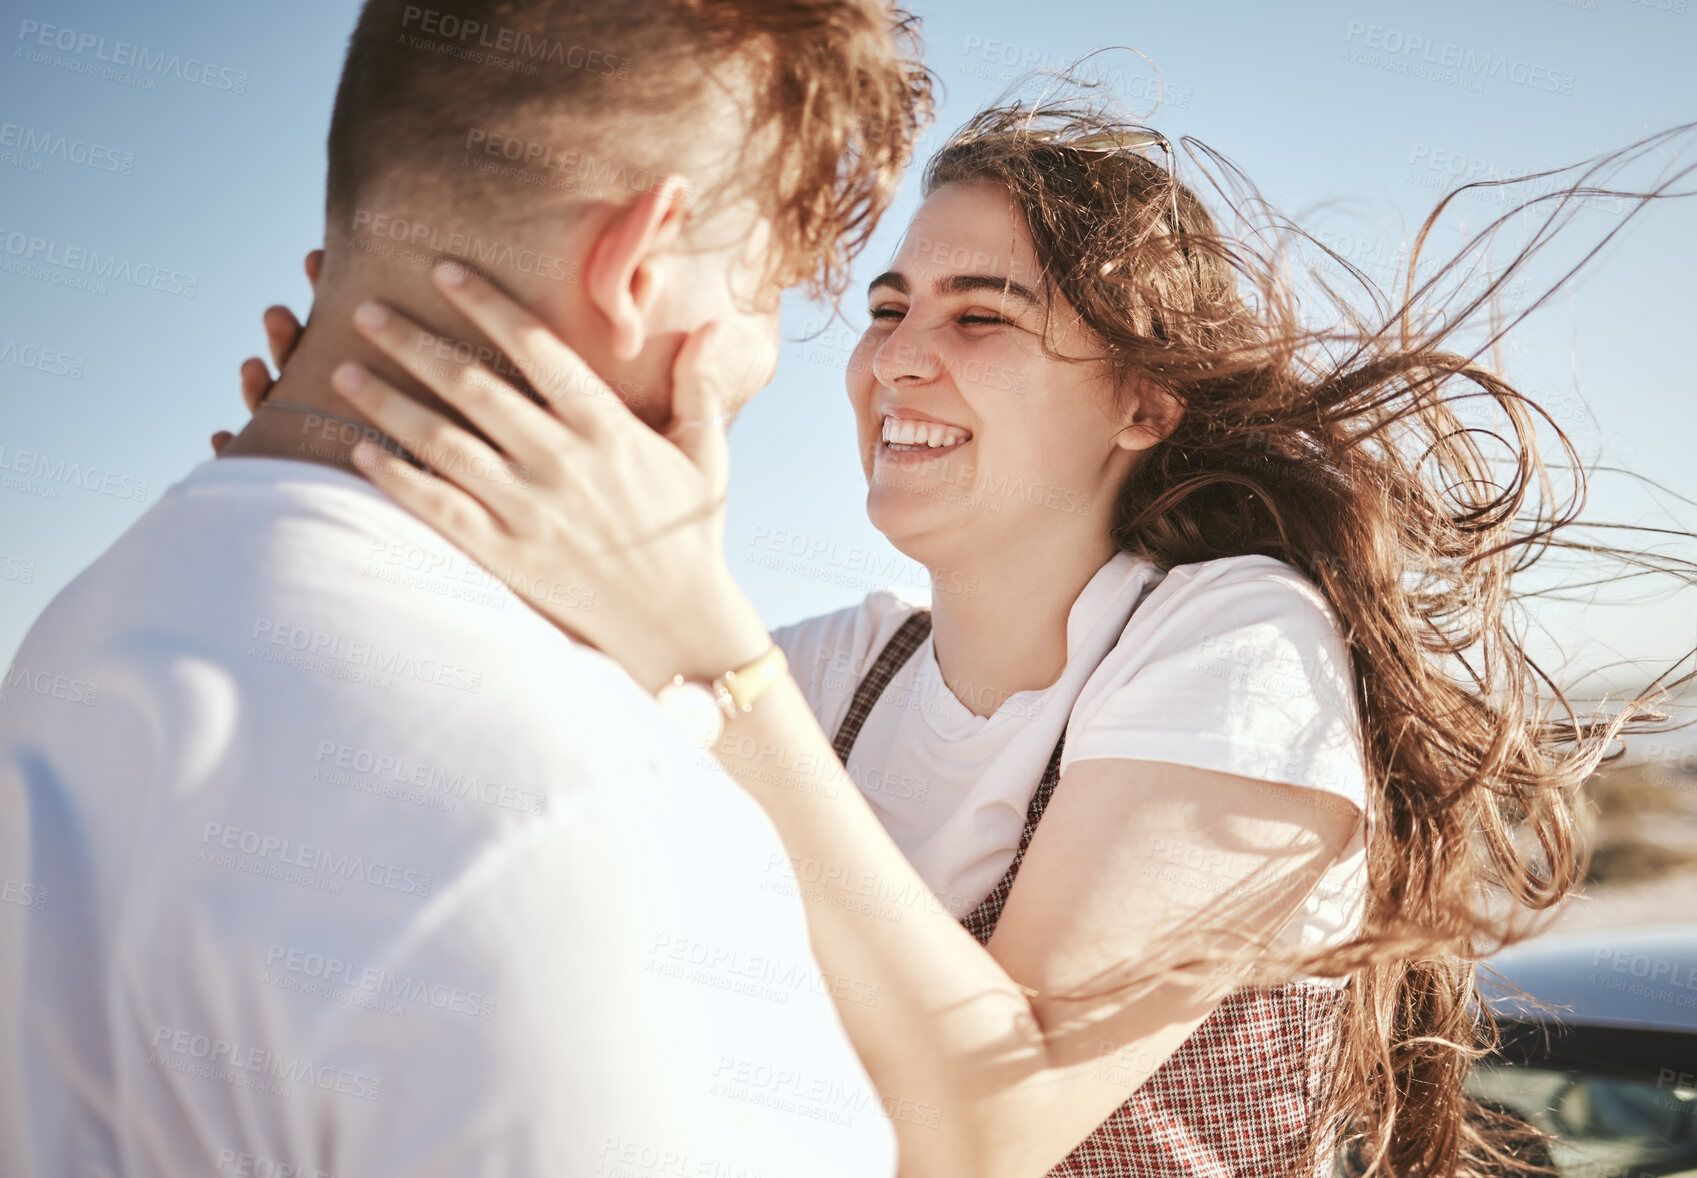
[
  {"x": 860, "y": 362},
  {"x": 860, "y": 380},
  {"x": 860, "y": 384},
  {"x": 990, "y": 368}
]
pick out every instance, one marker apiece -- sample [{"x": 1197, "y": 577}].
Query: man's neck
[{"x": 303, "y": 418}]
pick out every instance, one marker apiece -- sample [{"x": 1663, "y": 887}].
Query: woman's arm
[{"x": 979, "y": 1077}]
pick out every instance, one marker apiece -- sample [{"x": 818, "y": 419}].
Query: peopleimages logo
[
  {"x": 127, "y": 56},
  {"x": 35, "y": 256},
  {"x": 223, "y": 1059},
  {"x": 465, "y": 32},
  {"x": 331, "y": 971},
  {"x": 48, "y": 470},
  {"x": 372, "y": 230},
  {"x": 323, "y": 651},
  {"x": 47, "y": 683},
  {"x": 546, "y": 157},
  {"x": 406, "y": 770},
  {"x": 40, "y": 144},
  {"x": 1411, "y": 53},
  {"x": 286, "y": 853},
  {"x": 47, "y": 361}
]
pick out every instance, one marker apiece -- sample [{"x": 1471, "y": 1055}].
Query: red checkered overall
[{"x": 1237, "y": 1099}]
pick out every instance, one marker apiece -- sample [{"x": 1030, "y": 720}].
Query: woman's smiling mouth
[{"x": 903, "y": 436}]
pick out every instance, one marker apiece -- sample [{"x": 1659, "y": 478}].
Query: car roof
[{"x": 1636, "y": 977}]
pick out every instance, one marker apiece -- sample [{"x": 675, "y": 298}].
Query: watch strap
[{"x": 737, "y": 690}]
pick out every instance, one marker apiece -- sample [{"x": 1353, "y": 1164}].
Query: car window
[{"x": 1604, "y": 1126}]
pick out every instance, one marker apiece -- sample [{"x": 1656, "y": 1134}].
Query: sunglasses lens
[
  {"x": 1120, "y": 141},
  {"x": 1128, "y": 140}
]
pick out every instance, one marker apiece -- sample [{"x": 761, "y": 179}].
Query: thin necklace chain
[{"x": 366, "y": 429}]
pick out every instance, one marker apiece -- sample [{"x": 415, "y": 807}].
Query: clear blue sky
[{"x": 213, "y": 185}]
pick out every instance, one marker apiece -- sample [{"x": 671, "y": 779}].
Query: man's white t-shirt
[
  {"x": 1233, "y": 665},
  {"x": 325, "y": 855}
]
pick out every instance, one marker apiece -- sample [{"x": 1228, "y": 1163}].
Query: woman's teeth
[{"x": 907, "y": 433}]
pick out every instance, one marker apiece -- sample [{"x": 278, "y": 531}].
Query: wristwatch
[{"x": 701, "y": 709}]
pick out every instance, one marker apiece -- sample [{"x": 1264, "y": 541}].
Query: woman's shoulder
[
  {"x": 848, "y": 638},
  {"x": 1253, "y": 612},
  {"x": 1232, "y": 571},
  {"x": 1235, "y": 665},
  {"x": 1234, "y": 591}
]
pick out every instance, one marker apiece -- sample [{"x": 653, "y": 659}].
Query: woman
[{"x": 1214, "y": 732}]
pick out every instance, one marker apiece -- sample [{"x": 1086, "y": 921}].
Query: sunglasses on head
[{"x": 1130, "y": 139}]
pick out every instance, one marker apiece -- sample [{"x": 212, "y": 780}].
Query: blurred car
[{"x": 1599, "y": 1049}]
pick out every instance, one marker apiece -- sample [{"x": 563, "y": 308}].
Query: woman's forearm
[{"x": 940, "y": 1026}]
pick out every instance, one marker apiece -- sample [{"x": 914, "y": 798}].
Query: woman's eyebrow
[
  {"x": 890, "y": 278},
  {"x": 966, "y": 283},
  {"x": 961, "y": 284}
]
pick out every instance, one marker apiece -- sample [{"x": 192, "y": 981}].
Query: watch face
[{"x": 693, "y": 708}]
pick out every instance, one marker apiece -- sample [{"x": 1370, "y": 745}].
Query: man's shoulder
[
  {"x": 247, "y": 535},
  {"x": 304, "y": 587}
]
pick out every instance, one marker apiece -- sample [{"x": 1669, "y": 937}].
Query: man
[{"x": 342, "y": 861}]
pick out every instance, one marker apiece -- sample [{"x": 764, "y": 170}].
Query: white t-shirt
[
  {"x": 1233, "y": 665},
  {"x": 321, "y": 850}
]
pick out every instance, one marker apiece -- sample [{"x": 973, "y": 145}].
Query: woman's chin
[{"x": 912, "y": 520}]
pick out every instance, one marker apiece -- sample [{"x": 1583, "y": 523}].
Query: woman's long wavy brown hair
[{"x": 1355, "y": 451}]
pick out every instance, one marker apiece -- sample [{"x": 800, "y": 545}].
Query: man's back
[{"x": 324, "y": 852}]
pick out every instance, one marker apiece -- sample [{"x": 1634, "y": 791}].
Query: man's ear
[
  {"x": 621, "y": 277},
  {"x": 1154, "y": 415}
]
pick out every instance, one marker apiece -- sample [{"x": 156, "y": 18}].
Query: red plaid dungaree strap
[
  {"x": 1237, "y": 1099},
  {"x": 907, "y": 639},
  {"x": 981, "y": 921}
]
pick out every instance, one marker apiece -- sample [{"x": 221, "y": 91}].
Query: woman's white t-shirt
[{"x": 1232, "y": 665}]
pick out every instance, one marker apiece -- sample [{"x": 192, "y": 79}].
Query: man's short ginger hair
[{"x": 837, "y": 93}]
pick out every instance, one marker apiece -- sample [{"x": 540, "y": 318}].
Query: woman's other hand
[
  {"x": 609, "y": 529},
  {"x": 282, "y": 333}
]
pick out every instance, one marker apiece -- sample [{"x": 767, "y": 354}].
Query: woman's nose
[{"x": 905, "y": 357}]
